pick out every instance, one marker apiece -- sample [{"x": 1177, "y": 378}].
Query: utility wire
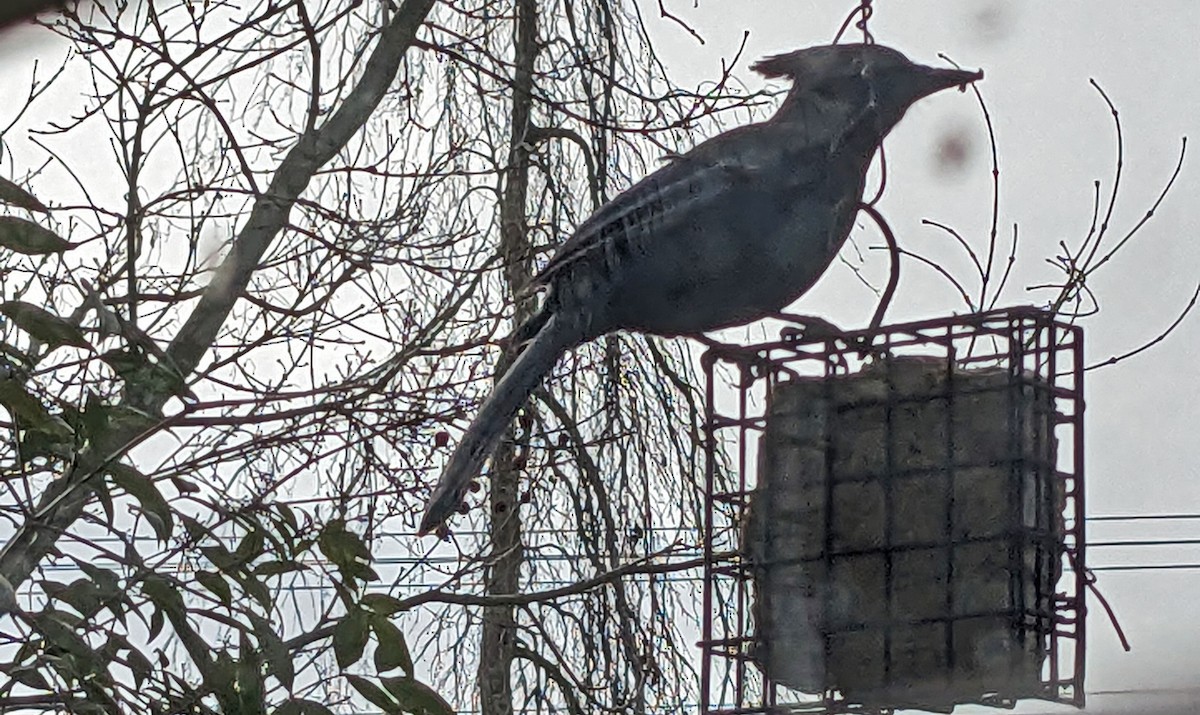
[
  {"x": 1141, "y": 517},
  {"x": 432, "y": 559}
]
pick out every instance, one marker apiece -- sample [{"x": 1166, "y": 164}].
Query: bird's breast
[{"x": 736, "y": 258}]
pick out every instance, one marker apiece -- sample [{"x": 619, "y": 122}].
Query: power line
[
  {"x": 445, "y": 559},
  {"x": 1133, "y": 543},
  {"x": 1144, "y": 542},
  {"x": 1141, "y": 517},
  {"x": 1147, "y": 567}
]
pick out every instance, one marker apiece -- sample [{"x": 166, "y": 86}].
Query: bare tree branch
[{"x": 62, "y": 504}]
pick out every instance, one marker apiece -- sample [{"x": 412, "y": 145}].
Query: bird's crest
[
  {"x": 775, "y": 66},
  {"x": 814, "y": 65}
]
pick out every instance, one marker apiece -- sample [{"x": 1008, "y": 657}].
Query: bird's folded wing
[
  {"x": 716, "y": 170},
  {"x": 672, "y": 190}
]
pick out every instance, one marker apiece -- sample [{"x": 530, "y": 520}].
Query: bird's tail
[{"x": 480, "y": 439}]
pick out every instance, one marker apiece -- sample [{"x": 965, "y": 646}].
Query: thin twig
[
  {"x": 945, "y": 274},
  {"x": 1161, "y": 336},
  {"x": 1149, "y": 213},
  {"x": 1112, "y": 197},
  {"x": 1012, "y": 259}
]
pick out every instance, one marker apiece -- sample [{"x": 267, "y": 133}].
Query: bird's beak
[{"x": 934, "y": 79}]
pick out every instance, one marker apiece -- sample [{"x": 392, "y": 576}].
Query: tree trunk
[{"x": 498, "y": 639}]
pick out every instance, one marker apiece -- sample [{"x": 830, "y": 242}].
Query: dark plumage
[{"x": 728, "y": 233}]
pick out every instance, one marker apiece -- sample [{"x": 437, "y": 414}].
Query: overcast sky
[{"x": 1055, "y": 138}]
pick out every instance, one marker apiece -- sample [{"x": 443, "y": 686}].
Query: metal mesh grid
[{"x": 1036, "y": 352}]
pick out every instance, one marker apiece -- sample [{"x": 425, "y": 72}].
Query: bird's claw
[{"x": 807, "y": 328}]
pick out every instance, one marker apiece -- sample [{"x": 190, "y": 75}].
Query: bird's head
[{"x": 861, "y": 77}]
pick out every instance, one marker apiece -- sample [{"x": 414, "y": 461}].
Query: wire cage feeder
[{"x": 895, "y": 518}]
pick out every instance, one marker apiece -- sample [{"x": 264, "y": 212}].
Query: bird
[
  {"x": 732, "y": 231},
  {"x": 14, "y": 11}
]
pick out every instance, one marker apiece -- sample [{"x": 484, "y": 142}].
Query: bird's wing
[
  {"x": 732, "y": 160},
  {"x": 710, "y": 167}
]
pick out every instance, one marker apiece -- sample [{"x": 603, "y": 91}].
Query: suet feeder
[{"x": 903, "y": 524}]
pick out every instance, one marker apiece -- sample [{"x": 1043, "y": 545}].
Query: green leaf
[
  {"x": 279, "y": 660},
  {"x": 162, "y": 593},
  {"x": 374, "y": 694},
  {"x": 14, "y": 195},
  {"x": 59, "y": 629},
  {"x": 36, "y": 443},
  {"x": 82, "y": 595},
  {"x": 125, "y": 363},
  {"x": 303, "y": 546},
  {"x": 91, "y": 707},
  {"x": 195, "y": 530},
  {"x": 123, "y": 419},
  {"x": 255, "y": 589},
  {"x": 346, "y": 551},
  {"x": 392, "y": 651},
  {"x": 249, "y": 677},
  {"x": 341, "y": 546},
  {"x": 107, "y": 583},
  {"x": 415, "y": 697},
  {"x": 155, "y": 627},
  {"x": 103, "y": 492},
  {"x": 139, "y": 665},
  {"x": 23, "y": 405},
  {"x": 51, "y": 587},
  {"x": 42, "y": 324},
  {"x": 382, "y": 603},
  {"x": 59, "y": 431},
  {"x": 94, "y": 417},
  {"x": 278, "y": 567},
  {"x": 262, "y": 627},
  {"x": 288, "y": 515},
  {"x": 251, "y": 546},
  {"x": 300, "y": 706},
  {"x": 29, "y": 677},
  {"x": 142, "y": 488},
  {"x": 222, "y": 674},
  {"x": 220, "y": 557},
  {"x": 22, "y": 236},
  {"x": 350, "y": 638},
  {"x": 8, "y": 597},
  {"x": 217, "y": 585}
]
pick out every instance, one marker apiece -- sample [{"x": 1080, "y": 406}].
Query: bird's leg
[
  {"x": 748, "y": 361},
  {"x": 806, "y": 327},
  {"x": 809, "y": 328}
]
